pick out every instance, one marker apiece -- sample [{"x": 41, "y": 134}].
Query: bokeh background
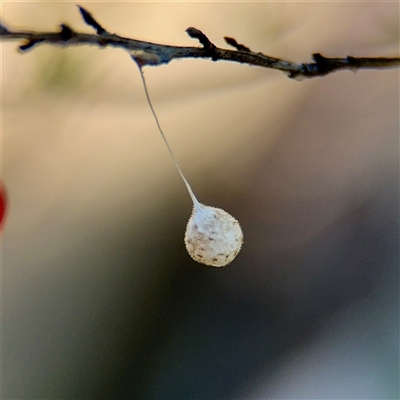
[{"x": 99, "y": 297}]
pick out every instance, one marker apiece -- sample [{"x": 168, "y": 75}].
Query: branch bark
[{"x": 147, "y": 53}]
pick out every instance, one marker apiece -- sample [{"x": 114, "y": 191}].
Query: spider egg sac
[{"x": 213, "y": 237}]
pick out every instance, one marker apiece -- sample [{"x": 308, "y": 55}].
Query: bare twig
[{"x": 147, "y": 53}]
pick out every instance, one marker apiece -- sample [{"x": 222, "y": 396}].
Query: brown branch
[{"x": 147, "y": 53}]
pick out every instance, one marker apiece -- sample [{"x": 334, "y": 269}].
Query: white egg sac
[{"x": 213, "y": 237}]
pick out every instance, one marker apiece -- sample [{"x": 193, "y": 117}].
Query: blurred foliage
[{"x": 60, "y": 71}]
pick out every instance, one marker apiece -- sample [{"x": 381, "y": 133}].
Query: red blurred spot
[{"x": 2, "y": 205}]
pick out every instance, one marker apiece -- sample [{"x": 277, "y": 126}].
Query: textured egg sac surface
[{"x": 213, "y": 237}]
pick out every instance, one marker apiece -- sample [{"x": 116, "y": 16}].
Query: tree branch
[{"x": 147, "y": 53}]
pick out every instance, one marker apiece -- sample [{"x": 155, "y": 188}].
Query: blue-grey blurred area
[{"x": 100, "y": 299}]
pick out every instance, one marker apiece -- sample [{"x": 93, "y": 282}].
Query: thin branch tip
[
  {"x": 232, "y": 42},
  {"x": 90, "y": 20},
  {"x": 208, "y": 46}
]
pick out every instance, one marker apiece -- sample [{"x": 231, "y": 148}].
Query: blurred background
[{"x": 100, "y": 298}]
